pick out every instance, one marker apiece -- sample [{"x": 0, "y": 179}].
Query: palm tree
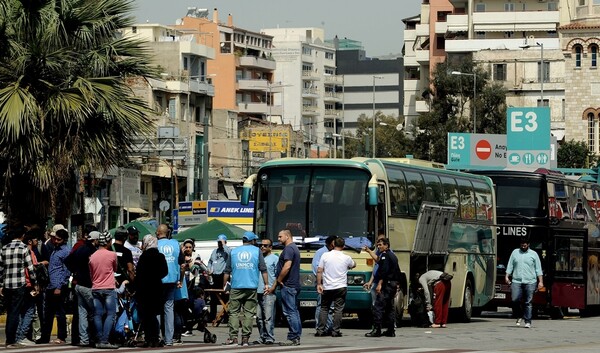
[{"x": 65, "y": 106}]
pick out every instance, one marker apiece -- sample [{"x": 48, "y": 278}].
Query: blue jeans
[
  {"x": 329, "y": 325},
  {"x": 105, "y": 305},
  {"x": 289, "y": 306},
  {"x": 265, "y": 317},
  {"x": 13, "y": 302},
  {"x": 169, "y": 314},
  {"x": 522, "y": 294},
  {"x": 85, "y": 310},
  {"x": 27, "y": 314}
]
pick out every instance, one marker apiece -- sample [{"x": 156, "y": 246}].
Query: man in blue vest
[
  {"x": 173, "y": 279},
  {"x": 243, "y": 266}
]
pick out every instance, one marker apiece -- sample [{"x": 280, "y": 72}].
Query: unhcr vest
[
  {"x": 170, "y": 248},
  {"x": 244, "y": 267}
]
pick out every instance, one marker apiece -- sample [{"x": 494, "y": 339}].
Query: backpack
[{"x": 42, "y": 277}]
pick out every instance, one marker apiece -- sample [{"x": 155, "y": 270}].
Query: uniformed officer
[{"x": 387, "y": 280}]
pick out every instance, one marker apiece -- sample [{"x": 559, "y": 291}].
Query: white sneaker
[
  {"x": 519, "y": 322},
  {"x": 528, "y": 325},
  {"x": 26, "y": 342}
]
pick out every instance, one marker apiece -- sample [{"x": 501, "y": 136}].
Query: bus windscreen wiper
[{"x": 519, "y": 215}]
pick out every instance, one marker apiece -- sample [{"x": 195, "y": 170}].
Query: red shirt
[{"x": 103, "y": 264}]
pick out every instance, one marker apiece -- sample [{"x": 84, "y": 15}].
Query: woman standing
[{"x": 151, "y": 268}]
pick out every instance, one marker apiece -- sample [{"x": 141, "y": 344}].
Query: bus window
[
  {"x": 561, "y": 192},
  {"x": 398, "y": 199},
  {"x": 433, "y": 188},
  {"x": 415, "y": 192},
  {"x": 467, "y": 199},
  {"x": 451, "y": 193},
  {"x": 483, "y": 201},
  {"x": 569, "y": 257}
]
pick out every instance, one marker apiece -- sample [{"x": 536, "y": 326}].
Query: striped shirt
[{"x": 13, "y": 261}]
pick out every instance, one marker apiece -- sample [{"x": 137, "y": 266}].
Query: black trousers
[
  {"x": 383, "y": 310},
  {"x": 338, "y": 298}
]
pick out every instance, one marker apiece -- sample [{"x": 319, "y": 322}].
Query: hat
[
  {"x": 55, "y": 228},
  {"x": 222, "y": 237},
  {"x": 95, "y": 235},
  {"x": 104, "y": 238},
  {"x": 133, "y": 230},
  {"x": 249, "y": 236}
]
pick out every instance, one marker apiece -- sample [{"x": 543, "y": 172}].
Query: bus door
[
  {"x": 432, "y": 233},
  {"x": 568, "y": 285}
]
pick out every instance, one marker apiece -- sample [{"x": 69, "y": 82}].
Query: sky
[{"x": 378, "y": 24}]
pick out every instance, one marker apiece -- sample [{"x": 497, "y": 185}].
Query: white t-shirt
[{"x": 335, "y": 265}]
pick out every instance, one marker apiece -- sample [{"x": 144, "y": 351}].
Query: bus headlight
[
  {"x": 357, "y": 280},
  {"x": 308, "y": 279}
]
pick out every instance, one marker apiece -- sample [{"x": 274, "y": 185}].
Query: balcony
[
  {"x": 411, "y": 85},
  {"x": 422, "y": 30},
  {"x": 311, "y": 110},
  {"x": 422, "y": 56},
  {"x": 310, "y": 93},
  {"x": 551, "y": 84},
  {"x": 516, "y": 21},
  {"x": 410, "y": 35},
  {"x": 256, "y": 62},
  {"x": 457, "y": 23},
  {"x": 332, "y": 97},
  {"x": 422, "y": 106},
  {"x": 253, "y": 85},
  {"x": 182, "y": 47},
  {"x": 474, "y": 45},
  {"x": 332, "y": 113},
  {"x": 259, "y": 108},
  {"x": 333, "y": 79},
  {"x": 310, "y": 75},
  {"x": 177, "y": 84},
  {"x": 441, "y": 27}
]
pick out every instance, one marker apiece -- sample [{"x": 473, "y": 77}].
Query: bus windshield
[
  {"x": 519, "y": 197},
  {"x": 313, "y": 202}
]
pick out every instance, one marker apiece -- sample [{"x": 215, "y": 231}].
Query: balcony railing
[{"x": 256, "y": 62}]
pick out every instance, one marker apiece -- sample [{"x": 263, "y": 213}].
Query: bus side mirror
[
  {"x": 373, "y": 191},
  {"x": 247, "y": 190}
]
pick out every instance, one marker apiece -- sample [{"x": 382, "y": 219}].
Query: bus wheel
[
  {"x": 466, "y": 311},
  {"x": 558, "y": 313},
  {"x": 399, "y": 307}
]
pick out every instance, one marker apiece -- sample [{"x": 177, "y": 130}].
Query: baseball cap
[
  {"x": 55, "y": 228},
  {"x": 104, "y": 238},
  {"x": 222, "y": 237},
  {"x": 133, "y": 230},
  {"x": 95, "y": 235},
  {"x": 249, "y": 236}
]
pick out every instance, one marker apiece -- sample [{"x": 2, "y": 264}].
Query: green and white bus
[{"x": 434, "y": 218}]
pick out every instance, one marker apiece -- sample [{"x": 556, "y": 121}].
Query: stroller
[
  {"x": 127, "y": 324},
  {"x": 198, "y": 311}
]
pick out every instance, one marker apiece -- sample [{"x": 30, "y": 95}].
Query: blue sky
[{"x": 377, "y": 24}]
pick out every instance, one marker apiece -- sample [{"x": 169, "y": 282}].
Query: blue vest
[
  {"x": 244, "y": 267},
  {"x": 170, "y": 248}
]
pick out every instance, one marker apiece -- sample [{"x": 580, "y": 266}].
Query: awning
[{"x": 135, "y": 210}]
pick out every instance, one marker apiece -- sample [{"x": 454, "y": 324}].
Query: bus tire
[
  {"x": 558, "y": 313},
  {"x": 399, "y": 307},
  {"x": 466, "y": 311}
]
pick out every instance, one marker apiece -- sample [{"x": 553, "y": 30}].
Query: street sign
[
  {"x": 528, "y": 137},
  {"x": 164, "y": 205},
  {"x": 483, "y": 149}
]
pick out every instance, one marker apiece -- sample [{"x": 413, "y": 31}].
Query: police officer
[
  {"x": 386, "y": 281},
  {"x": 243, "y": 266}
]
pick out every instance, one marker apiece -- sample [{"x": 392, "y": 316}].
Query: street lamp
[
  {"x": 335, "y": 137},
  {"x": 474, "y": 95},
  {"x": 373, "y": 137},
  {"x": 542, "y": 76}
]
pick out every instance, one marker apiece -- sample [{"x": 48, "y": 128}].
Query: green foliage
[
  {"x": 451, "y": 98},
  {"x": 64, "y": 103},
  {"x": 573, "y": 154},
  {"x": 390, "y": 142}
]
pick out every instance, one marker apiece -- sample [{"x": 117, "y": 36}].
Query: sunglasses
[{"x": 264, "y": 245}]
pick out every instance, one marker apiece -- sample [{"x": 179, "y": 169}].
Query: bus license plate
[
  {"x": 500, "y": 296},
  {"x": 308, "y": 303}
]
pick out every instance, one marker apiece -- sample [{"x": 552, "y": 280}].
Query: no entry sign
[{"x": 483, "y": 149}]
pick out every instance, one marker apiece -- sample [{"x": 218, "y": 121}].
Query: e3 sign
[{"x": 528, "y": 137}]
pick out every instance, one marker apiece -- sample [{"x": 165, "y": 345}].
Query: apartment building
[
  {"x": 311, "y": 88},
  {"x": 517, "y": 42},
  {"x": 172, "y": 159}
]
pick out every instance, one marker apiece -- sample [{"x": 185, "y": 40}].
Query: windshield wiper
[
  {"x": 352, "y": 248},
  {"x": 519, "y": 215}
]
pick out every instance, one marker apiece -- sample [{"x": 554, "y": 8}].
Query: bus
[
  {"x": 560, "y": 216},
  {"x": 434, "y": 219}
]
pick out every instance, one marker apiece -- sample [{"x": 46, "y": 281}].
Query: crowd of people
[{"x": 100, "y": 278}]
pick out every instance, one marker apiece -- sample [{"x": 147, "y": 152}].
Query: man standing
[
  {"x": 386, "y": 281},
  {"x": 288, "y": 277},
  {"x": 265, "y": 314},
  {"x": 315, "y": 264},
  {"x": 174, "y": 278},
  {"x": 78, "y": 263},
  {"x": 14, "y": 259},
  {"x": 133, "y": 244},
  {"x": 57, "y": 290},
  {"x": 216, "y": 268},
  {"x": 103, "y": 264},
  {"x": 437, "y": 283},
  {"x": 525, "y": 269},
  {"x": 243, "y": 266},
  {"x": 125, "y": 269},
  {"x": 332, "y": 285}
]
